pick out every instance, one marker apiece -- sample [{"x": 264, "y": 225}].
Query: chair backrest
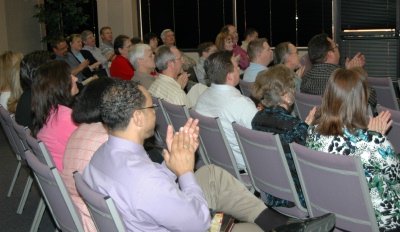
[
  {"x": 393, "y": 133},
  {"x": 245, "y": 88},
  {"x": 215, "y": 144},
  {"x": 306, "y": 62},
  {"x": 337, "y": 184},
  {"x": 21, "y": 146},
  {"x": 305, "y": 102},
  {"x": 4, "y": 114},
  {"x": 266, "y": 164},
  {"x": 21, "y": 133},
  {"x": 177, "y": 114},
  {"x": 39, "y": 149},
  {"x": 162, "y": 121},
  {"x": 102, "y": 208},
  {"x": 384, "y": 92},
  {"x": 56, "y": 194}
]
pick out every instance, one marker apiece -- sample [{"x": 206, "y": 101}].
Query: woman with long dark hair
[{"x": 53, "y": 92}]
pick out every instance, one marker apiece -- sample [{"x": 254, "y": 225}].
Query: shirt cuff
[{"x": 187, "y": 180}]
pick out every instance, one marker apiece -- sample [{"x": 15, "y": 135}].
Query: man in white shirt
[
  {"x": 223, "y": 100},
  {"x": 172, "y": 80},
  {"x": 261, "y": 55}
]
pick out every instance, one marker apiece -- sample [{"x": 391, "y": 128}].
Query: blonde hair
[
  {"x": 7, "y": 61},
  {"x": 15, "y": 88}
]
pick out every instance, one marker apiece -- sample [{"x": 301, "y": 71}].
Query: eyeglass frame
[{"x": 153, "y": 106}]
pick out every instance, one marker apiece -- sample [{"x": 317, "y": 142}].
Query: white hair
[
  {"x": 137, "y": 52},
  {"x": 165, "y": 32}
]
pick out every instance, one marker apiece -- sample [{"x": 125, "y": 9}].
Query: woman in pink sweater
[{"x": 53, "y": 92}]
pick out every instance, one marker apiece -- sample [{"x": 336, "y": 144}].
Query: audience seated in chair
[
  {"x": 275, "y": 88},
  {"x": 120, "y": 66},
  {"x": 53, "y": 92},
  {"x": 340, "y": 127},
  {"x": 147, "y": 194},
  {"x": 324, "y": 55},
  {"x": 261, "y": 55},
  {"x": 29, "y": 65},
  {"x": 106, "y": 43},
  {"x": 223, "y": 100},
  {"x": 197, "y": 73},
  {"x": 171, "y": 81},
  {"x": 142, "y": 59},
  {"x": 249, "y": 35},
  {"x": 89, "y": 40},
  {"x": 286, "y": 53},
  {"x": 244, "y": 60},
  {"x": 168, "y": 38},
  {"x": 7, "y": 61},
  {"x": 84, "y": 141}
]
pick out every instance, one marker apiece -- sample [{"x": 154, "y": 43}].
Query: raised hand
[{"x": 380, "y": 123}]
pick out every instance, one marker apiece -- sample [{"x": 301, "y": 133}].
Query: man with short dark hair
[
  {"x": 261, "y": 55},
  {"x": 225, "y": 101},
  {"x": 249, "y": 35},
  {"x": 170, "y": 196},
  {"x": 324, "y": 55}
]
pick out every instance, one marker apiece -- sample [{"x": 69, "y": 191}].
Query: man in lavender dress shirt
[{"x": 167, "y": 196}]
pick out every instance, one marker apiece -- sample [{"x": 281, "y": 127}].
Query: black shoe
[{"x": 318, "y": 224}]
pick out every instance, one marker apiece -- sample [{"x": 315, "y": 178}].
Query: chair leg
[
  {"x": 38, "y": 215},
  {"x": 14, "y": 179},
  {"x": 25, "y": 194}
]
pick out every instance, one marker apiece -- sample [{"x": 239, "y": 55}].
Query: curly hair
[
  {"x": 272, "y": 84},
  {"x": 50, "y": 88},
  {"x": 118, "y": 102}
]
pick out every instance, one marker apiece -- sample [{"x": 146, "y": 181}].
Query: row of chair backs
[
  {"x": 56, "y": 195},
  {"x": 384, "y": 92},
  {"x": 17, "y": 146},
  {"x": 267, "y": 166},
  {"x": 216, "y": 146},
  {"x": 394, "y": 132},
  {"x": 330, "y": 183},
  {"x": 337, "y": 184},
  {"x": 102, "y": 208}
]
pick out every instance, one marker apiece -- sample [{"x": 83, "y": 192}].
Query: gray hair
[
  {"x": 165, "y": 32},
  {"x": 137, "y": 52},
  {"x": 281, "y": 52},
  {"x": 163, "y": 55},
  {"x": 85, "y": 34}
]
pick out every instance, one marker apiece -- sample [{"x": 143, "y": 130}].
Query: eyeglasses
[
  {"x": 180, "y": 58},
  {"x": 154, "y": 106}
]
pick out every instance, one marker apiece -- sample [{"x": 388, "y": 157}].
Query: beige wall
[
  {"x": 21, "y": 31},
  {"x": 120, "y": 15}
]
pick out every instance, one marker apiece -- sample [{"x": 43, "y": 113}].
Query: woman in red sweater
[{"x": 121, "y": 67}]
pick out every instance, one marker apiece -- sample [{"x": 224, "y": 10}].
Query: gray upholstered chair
[
  {"x": 335, "y": 183},
  {"x": 102, "y": 208},
  {"x": 268, "y": 168}
]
